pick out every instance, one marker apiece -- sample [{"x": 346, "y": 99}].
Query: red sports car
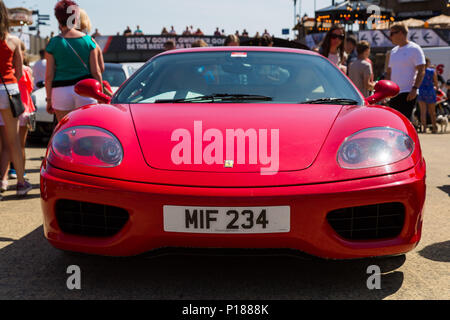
[{"x": 244, "y": 147}]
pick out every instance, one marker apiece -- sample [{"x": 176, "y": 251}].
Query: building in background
[
  {"x": 418, "y": 9},
  {"x": 20, "y": 17}
]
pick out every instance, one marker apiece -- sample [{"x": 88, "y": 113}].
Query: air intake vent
[
  {"x": 88, "y": 219},
  {"x": 381, "y": 221}
]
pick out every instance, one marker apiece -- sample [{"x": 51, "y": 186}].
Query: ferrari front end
[{"x": 260, "y": 167}]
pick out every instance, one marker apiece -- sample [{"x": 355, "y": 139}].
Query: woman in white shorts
[
  {"x": 64, "y": 100},
  {"x": 71, "y": 57}
]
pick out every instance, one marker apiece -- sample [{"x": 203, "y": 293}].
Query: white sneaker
[
  {"x": 23, "y": 189},
  {"x": 4, "y": 186},
  {"x": 12, "y": 174}
]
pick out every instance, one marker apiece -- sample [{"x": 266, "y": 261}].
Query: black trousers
[{"x": 400, "y": 104}]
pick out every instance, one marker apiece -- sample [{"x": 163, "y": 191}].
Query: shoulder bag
[{"x": 15, "y": 101}]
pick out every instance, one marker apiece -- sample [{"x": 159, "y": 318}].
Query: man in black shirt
[{"x": 127, "y": 31}]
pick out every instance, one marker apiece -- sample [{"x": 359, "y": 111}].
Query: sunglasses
[
  {"x": 337, "y": 36},
  {"x": 394, "y": 32}
]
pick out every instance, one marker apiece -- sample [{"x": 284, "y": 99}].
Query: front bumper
[{"x": 310, "y": 232}]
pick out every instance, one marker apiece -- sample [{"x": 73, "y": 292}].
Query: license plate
[{"x": 223, "y": 220}]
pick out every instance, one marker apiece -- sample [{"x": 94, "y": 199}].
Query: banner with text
[{"x": 146, "y": 43}]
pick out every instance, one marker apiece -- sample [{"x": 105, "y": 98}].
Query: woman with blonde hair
[
  {"x": 199, "y": 44},
  {"x": 232, "y": 40},
  {"x": 11, "y": 72},
  {"x": 85, "y": 22},
  {"x": 86, "y": 27}
]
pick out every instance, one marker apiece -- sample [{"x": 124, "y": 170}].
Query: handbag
[{"x": 15, "y": 101}]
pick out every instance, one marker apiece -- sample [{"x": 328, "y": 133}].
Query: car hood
[{"x": 206, "y": 137}]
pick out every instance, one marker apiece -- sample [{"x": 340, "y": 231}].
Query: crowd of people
[
  {"x": 69, "y": 57},
  {"x": 406, "y": 65},
  {"x": 188, "y": 31}
]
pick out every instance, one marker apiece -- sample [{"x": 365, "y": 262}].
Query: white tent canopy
[
  {"x": 414, "y": 23},
  {"x": 442, "y": 20}
]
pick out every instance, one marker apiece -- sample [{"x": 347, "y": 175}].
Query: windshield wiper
[
  {"x": 331, "y": 101},
  {"x": 218, "y": 97}
]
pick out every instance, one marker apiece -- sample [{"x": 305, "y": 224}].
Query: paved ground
[{"x": 31, "y": 269}]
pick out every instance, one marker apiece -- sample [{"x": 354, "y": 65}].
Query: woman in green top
[{"x": 71, "y": 57}]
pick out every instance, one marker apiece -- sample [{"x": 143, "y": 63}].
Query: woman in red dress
[{"x": 11, "y": 71}]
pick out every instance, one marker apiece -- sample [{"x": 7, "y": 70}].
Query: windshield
[{"x": 277, "y": 77}]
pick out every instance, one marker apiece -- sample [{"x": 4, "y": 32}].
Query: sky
[{"x": 112, "y": 16}]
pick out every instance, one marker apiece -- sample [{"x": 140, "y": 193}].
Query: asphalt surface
[{"x": 31, "y": 269}]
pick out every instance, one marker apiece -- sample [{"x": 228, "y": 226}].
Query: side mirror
[
  {"x": 383, "y": 89},
  {"x": 91, "y": 88}
]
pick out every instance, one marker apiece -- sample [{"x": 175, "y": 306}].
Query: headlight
[
  {"x": 90, "y": 146},
  {"x": 374, "y": 147}
]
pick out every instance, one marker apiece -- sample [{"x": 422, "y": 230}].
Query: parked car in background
[
  {"x": 115, "y": 74},
  {"x": 131, "y": 67}
]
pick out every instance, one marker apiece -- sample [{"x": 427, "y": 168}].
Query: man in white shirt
[
  {"x": 39, "y": 71},
  {"x": 406, "y": 68}
]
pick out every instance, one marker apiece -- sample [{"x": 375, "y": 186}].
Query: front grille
[
  {"x": 380, "y": 221},
  {"x": 89, "y": 219}
]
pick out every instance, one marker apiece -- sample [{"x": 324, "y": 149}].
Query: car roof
[{"x": 232, "y": 49}]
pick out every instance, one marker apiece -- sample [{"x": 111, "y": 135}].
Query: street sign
[{"x": 285, "y": 31}]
